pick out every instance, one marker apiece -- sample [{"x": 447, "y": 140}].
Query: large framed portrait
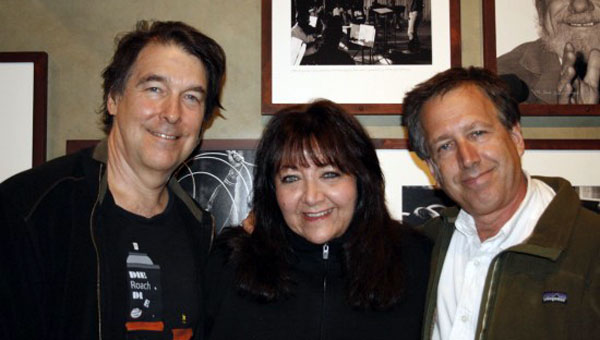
[
  {"x": 23, "y": 94},
  {"x": 543, "y": 49},
  {"x": 363, "y": 54}
]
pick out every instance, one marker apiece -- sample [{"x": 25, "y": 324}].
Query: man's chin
[{"x": 583, "y": 42}]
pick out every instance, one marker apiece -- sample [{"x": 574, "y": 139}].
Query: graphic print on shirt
[{"x": 145, "y": 295}]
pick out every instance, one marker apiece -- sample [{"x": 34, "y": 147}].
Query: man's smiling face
[
  {"x": 474, "y": 157},
  {"x": 157, "y": 118}
]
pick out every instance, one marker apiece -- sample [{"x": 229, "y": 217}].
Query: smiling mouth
[
  {"x": 473, "y": 180},
  {"x": 163, "y": 136},
  {"x": 584, "y": 24},
  {"x": 318, "y": 214}
]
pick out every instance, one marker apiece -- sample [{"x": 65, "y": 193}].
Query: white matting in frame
[
  {"x": 516, "y": 23},
  {"x": 16, "y": 133},
  {"x": 377, "y": 84}
]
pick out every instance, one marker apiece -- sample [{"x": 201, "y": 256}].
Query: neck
[
  {"x": 489, "y": 225},
  {"x": 140, "y": 192}
]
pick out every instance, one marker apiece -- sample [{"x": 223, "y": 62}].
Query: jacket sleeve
[
  {"x": 591, "y": 299},
  {"x": 5, "y": 288},
  {"x": 20, "y": 316}
]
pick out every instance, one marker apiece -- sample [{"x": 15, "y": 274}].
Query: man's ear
[
  {"x": 517, "y": 137},
  {"x": 111, "y": 103}
]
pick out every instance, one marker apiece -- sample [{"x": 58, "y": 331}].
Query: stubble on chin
[{"x": 582, "y": 41}]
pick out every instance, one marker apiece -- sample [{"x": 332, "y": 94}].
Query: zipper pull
[{"x": 325, "y": 251}]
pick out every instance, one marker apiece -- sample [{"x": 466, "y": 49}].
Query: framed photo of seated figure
[
  {"x": 548, "y": 51},
  {"x": 23, "y": 94},
  {"x": 363, "y": 54}
]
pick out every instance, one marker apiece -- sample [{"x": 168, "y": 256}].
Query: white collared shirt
[{"x": 468, "y": 259}]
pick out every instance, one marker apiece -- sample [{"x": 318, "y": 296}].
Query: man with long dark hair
[{"x": 105, "y": 243}]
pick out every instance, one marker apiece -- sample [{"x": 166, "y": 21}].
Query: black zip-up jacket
[
  {"x": 50, "y": 282},
  {"x": 318, "y": 307}
]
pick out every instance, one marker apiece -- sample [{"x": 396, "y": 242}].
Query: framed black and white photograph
[
  {"x": 23, "y": 94},
  {"x": 590, "y": 197},
  {"x": 422, "y": 202},
  {"x": 363, "y": 54},
  {"x": 219, "y": 177},
  {"x": 532, "y": 46}
]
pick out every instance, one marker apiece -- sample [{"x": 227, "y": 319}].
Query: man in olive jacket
[
  {"x": 105, "y": 244},
  {"x": 519, "y": 258}
]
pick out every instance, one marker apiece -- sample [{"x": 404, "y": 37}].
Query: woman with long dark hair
[{"x": 325, "y": 259}]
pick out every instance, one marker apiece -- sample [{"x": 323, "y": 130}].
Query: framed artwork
[
  {"x": 363, "y": 54},
  {"x": 23, "y": 94},
  {"x": 527, "y": 52},
  {"x": 219, "y": 176}
]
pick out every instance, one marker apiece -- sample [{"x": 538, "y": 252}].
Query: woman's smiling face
[{"x": 317, "y": 202}]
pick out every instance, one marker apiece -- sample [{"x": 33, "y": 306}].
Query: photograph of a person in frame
[
  {"x": 361, "y": 32},
  {"x": 563, "y": 65}
]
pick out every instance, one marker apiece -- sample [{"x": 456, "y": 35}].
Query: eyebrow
[
  {"x": 163, "y": 79},
  {"x": 474, "y": 125},
  {"x": 151, "y": 77}
]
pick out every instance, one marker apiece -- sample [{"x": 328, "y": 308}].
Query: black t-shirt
[{"x": 149, "y": 285}]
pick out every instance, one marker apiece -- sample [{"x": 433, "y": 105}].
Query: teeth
[
  {"x": 162, "y": 135},
  {"x": 587, "y": 24},
  {"x": 319, "y": 214}
]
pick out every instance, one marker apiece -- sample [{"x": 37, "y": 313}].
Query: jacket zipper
[
  {"x": 488, "y": 295},
  {"x": 93, "y": 236},
  {"x": 325, "y": 262}
]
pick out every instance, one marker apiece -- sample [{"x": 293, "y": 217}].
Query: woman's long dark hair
[{"x": 325, "y": 134}]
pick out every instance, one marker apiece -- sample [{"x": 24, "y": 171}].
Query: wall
[{"x": 79, "y": 39}]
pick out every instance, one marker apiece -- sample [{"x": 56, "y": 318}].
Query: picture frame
[
  {"x": 23, "y": 93},
  {"x": 500, "y": 40},
  {"x": 364, "y": 90}
]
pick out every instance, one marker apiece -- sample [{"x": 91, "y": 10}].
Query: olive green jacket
[{"x": 545, "y": 288}]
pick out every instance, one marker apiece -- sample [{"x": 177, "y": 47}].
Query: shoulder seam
[{"x": 45, "y": 193}]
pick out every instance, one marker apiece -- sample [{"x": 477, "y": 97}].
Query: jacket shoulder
[
  {"x": 433, "y": 227},
  {"x": 24, "y": 189},
  {"x": 514, "y": 55}
]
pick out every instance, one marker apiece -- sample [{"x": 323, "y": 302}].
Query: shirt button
[
  {"x": 464, "y": 318},
  {"x": 476, "y": 262}
]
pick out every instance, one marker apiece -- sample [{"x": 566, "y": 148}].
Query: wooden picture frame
[
  {"x": 491, "y": 53},
  {"x": 17, "y": 66},
  {"x": 390, "y": 78}
]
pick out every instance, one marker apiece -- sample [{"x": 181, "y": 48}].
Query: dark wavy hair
[
  {"x": 322, "y": 133},
  {"x": 208, "y": 51},
  {"x": 487, "y": 82}
]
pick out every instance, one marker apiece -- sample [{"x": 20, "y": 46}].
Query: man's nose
[
  {"x": 580, "y": 6},
  {"x": 468, "y": 154},
  {"x": 171, "y": 110}
]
